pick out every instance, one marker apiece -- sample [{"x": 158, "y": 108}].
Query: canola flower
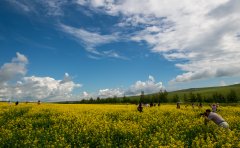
[{"x": 74, "y": 125}]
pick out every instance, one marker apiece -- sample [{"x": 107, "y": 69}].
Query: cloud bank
[
  {"x": 15, "y": 85},
  {"x": 149, "y": 86}
]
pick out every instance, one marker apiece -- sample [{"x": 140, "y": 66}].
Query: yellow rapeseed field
[{"x": 58, "y": 125}]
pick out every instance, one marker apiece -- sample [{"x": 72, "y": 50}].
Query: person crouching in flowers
[
  {"x": 217, "y": 119},
  {"x": 140, "y": 107}
]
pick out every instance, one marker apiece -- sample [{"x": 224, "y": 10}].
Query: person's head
[{"x": 208, "y": 111}]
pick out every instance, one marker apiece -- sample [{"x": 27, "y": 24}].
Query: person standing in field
[
  {"x": 178, "y": 105},
  {"x": 151, "y": 104},
  {"x": 140, "y": 107},
  {"x": 217, "y": 119},
  {"x": 214, "y": 108}
]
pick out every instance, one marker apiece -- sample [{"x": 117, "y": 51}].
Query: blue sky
[{"x": 69, "y": 50}]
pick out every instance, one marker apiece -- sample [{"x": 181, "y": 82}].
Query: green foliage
[
  {"x": 232, "y": 96},
  {"x": 175, "y": 98}
]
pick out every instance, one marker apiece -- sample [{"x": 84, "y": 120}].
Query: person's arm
[{"x": 206, "y": 120}]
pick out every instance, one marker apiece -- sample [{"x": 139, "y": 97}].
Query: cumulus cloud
[
  {"x": 204, "y": 33},
  {"x": 104, "y": 93},
  {"x": 17, "y": 67},
  {"x": 43, "y": 88},
  {"x": 148, "y": 86},
  {"x": 14, "y": 83}
]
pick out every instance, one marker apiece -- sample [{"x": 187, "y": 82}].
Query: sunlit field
[{"x": 55, "y": 125}]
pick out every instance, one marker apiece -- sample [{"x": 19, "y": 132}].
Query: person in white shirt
[
  {"x": 217, "y": 119},
  {"x": 214, "y": 108}
]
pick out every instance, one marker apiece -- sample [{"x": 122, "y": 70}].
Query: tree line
[{"x": 164, "y": 97}]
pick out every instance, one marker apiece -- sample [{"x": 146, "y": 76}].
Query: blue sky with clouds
[{"x": 73, "y": 49}]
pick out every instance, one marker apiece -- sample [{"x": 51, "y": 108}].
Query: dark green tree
[
  {"x": 125, "y": 99},
  {"x": 232, "y": 96},
  {"x": 163, "y": 96},
  {"x": 192, "y": 97},
  {"x": 185, "y": 98},
  {"x": 176, "y": 98},
  {"x": 199, "y": 97}
]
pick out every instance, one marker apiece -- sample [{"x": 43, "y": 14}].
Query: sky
[{"x": 77, "y": 49}]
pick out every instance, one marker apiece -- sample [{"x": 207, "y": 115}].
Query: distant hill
[{"x": 208, "y": 91}]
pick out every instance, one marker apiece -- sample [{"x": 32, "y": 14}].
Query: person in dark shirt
[{"x": 140, "y": 107}]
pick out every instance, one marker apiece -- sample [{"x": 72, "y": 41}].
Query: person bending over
[{"x": 217, "y": 119}]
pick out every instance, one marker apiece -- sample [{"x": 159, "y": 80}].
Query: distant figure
[
  {"x": 200, "y": 105},
  {"x": 217, "y": 119},
  {"x": 16, "y": 103},
  {"x": 38, "y": 102},
  {"x": 151, "y": 104},
  {"x": 178, "y": 105},
  {"x": 159, "y": 104},
  {"x": 214, "y": 108},
  {"x": 140, "y": 107},
  {"x": 193, "y": 105}
]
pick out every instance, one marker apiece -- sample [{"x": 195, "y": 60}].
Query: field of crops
[{"x": 55, "y": 125}]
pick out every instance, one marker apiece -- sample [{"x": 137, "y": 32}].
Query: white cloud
[
  {"x": 54, "y": 7},
  {"x": 149, "y": 86},
  {"x": 48, "y": 8},
  {"x": 85, "y": 94},
  {"x": 81, "y": 2},
  {"x": 14, "y": 84},
  {"x": 93, "y": 39},
  {"x": 43, "y": 88},
  {"x": 203, "y": 33},
  {"x": 89, "y": 39},
  {"x": 66, "y": 78},
  {"x": 113, "y": 54},
  {"x": 21, "y": 5},
  {"x": 104, "y": 93},
  {"x": 16, "y": 68}
]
